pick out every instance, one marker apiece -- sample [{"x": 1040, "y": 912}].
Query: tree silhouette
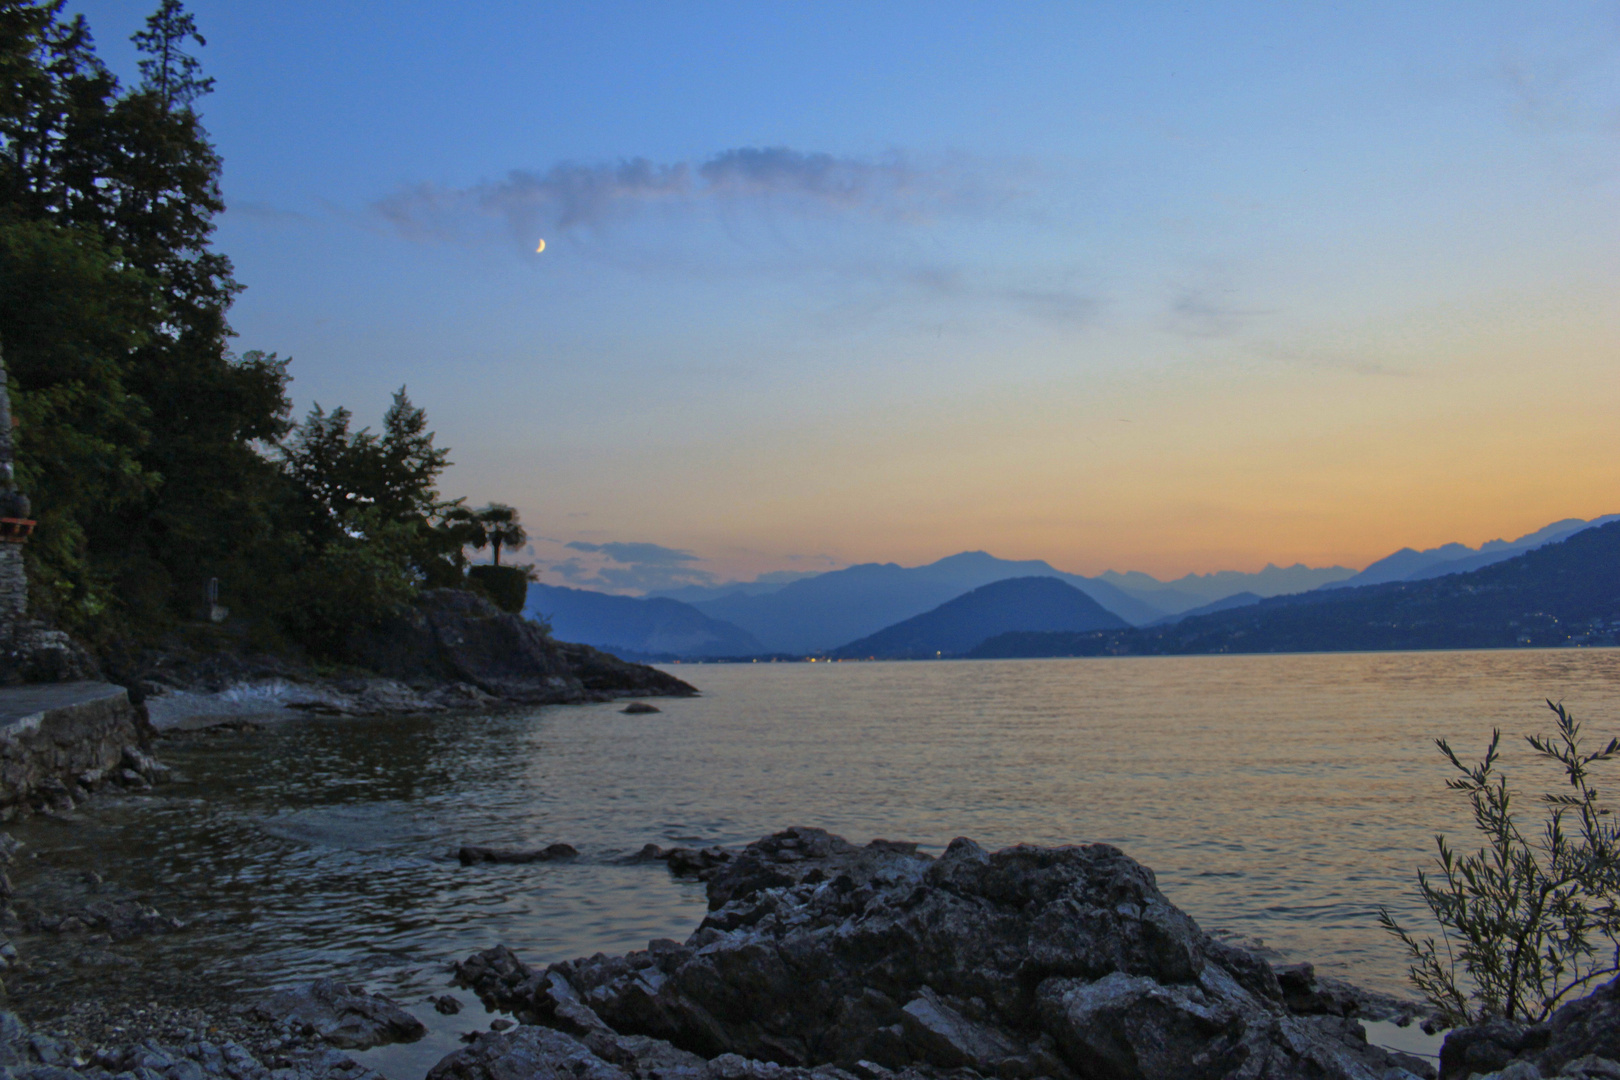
[
  {"x": 495, "y": 526},
  {"x": 505, "y": 530},
  {"x": 173, "y": 75}
]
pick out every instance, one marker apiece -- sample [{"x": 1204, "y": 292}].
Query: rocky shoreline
[
  {"x": 822, "y": 959},
  {"x": 452, "y": 651}
]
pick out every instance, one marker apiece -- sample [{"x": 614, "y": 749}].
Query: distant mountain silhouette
[
  {"x": 766, "y": 583},
  {"x": 1195, "y": 591},
  {"x": 821, "y": 612},
  {"x": 1409, "y": 565},
  {"x": 1028, "y": 603},
  {"x": 639, "y": 627},
  {"x": 1563, "y": 593},
  {"x": 1226, "y": 603}
]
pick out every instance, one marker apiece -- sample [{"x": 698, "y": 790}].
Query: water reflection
[{"x": 1277, "y": 797}]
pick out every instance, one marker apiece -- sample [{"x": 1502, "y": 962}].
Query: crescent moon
[{"x": 541, "y": 248}]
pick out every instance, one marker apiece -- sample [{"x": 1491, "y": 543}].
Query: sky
[{"x": 1161, "y": 287}]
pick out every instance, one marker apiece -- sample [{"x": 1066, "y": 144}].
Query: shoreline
[
  {"x": 277, "y": 698},
  {"x": 190, "y": 1021},
  {"x": 222, "y": 1006}
]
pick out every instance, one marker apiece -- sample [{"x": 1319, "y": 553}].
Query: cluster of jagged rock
[{"x": 822, "y": 958}]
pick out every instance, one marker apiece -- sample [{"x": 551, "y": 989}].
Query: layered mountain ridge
[{"x": 837, "y": 610}]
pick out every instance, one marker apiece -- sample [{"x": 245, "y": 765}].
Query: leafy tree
[
  {"x": 357, "y": 488},
  {"x": 361, "y": 575},
  {"x": 1529, "y": 919},
  {"x": 131, "y": 180},
  {"x": 157, "y": 458},
  {"x": 336, "y": 471},
  {"x": 72, "y": 319}
]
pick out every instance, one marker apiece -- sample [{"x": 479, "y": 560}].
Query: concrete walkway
[{"x": 24, "y": 708}]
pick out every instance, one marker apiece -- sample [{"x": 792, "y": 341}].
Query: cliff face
[{"x": 458, "y": 637}]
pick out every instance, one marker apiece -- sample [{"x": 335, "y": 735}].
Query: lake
[{"x": 1282, "y": 798}]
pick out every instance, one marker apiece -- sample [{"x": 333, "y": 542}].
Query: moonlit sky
[{"x": 1136, "y": 286}]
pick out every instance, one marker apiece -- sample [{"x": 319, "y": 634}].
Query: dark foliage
[
  {"x": 1531, "y": 918},
  {"x": 508, "y": 586},
  {"x": 156, "y": 458}
]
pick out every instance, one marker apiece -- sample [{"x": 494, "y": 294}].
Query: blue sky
[{"x": 1129, "y": 285}]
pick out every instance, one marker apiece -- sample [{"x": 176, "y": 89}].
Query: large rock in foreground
[
  {"x": 344, "y": 1016},
  {"x": 1026, "y": 962}
]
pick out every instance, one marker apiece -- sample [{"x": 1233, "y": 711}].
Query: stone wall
[
  {"x": 13, "y": 587},
  {"x": 61, "y": 741}
]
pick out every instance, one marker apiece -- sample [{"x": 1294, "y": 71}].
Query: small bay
[{"x": 1277, "y": 797}]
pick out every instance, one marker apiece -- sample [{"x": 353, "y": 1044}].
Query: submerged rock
[
  {"x": 639, "y": 708},
  {"x": 120, "y": 920},
  {"x": 345, "y": 1016},
  {"x": 1026, "y": 962},
  {"x": 470, "y": 855}
]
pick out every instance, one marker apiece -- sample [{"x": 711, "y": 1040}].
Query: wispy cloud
[
  {"x": 652, "y": 554},
  {"x": 632, "y": 567},
  {"x": 1209, "y": 312},
  {"x": 570, "y": 196},
  {"x": 268, "y": 213}
]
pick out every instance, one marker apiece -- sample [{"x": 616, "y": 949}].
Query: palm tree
[
  {"x": 502, "y": 528},
  {"x": 495, "y": 526}
]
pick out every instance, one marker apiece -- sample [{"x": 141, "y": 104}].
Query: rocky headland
[
  {"x": 79, "y": 727},
  {"x": 452, "y": 650}
]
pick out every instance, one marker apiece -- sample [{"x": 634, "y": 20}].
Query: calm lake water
[{"x": 1279, "y": 797}]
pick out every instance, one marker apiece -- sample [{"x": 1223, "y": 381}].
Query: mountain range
[
  {"x": 1409, "y": 565},
  {"x": 634, "y": 628},
  {"x": 1562, "y": 593},
  {"x": 1196, "y": 590},
  {"x": 1026, "y": 603},
  {"x": 816, "y": 613},
  {"x": 825, "y": 611}
]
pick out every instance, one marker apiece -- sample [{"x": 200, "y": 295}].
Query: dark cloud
[
  {"x": 845, "y": 182},
  {"x": 649, "y": 554},
  {"x": 567, "y": 196},
  {"x": 785, "y": 577},
  {"x": 632, "y": 567}
]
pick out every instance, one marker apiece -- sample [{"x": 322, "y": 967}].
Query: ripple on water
[{"x": 1278, "y": 797}]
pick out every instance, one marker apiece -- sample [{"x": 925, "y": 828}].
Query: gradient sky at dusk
[{"x": 1135, "y": 286}]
